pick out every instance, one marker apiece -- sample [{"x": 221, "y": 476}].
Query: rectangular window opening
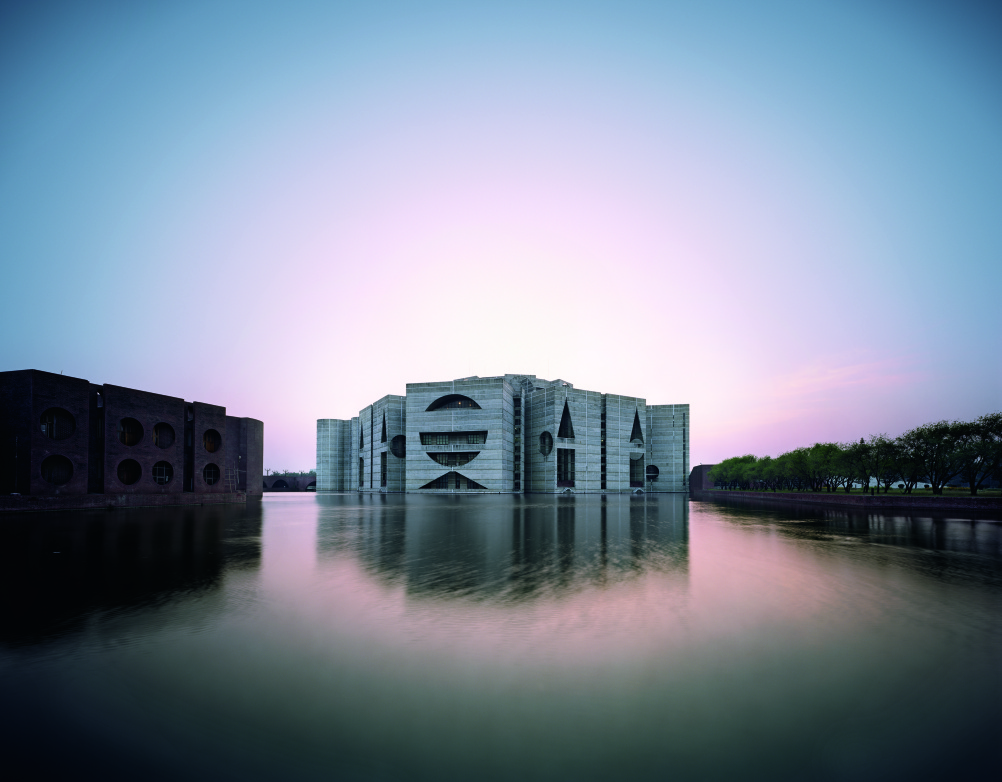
[{"x": 565, "y": 467}]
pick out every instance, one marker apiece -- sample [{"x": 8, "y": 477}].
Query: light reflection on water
[{"x": 339, "y": 636}]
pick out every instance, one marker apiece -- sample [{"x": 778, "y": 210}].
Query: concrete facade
[
  {"x": 509, "y": 433},
  {"x": 61, "y": 435}
]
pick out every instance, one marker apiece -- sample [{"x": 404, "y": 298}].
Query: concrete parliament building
[{"x": 505, "y": 434}]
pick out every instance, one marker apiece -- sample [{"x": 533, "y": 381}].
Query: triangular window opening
[
  {"x": 383, "y": 438},
  {"x": 361, "y": 438},
  {"x": 637, "y": 433},
  {"x": 566, "y": 427}
]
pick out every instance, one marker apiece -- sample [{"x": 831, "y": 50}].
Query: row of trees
[{"x": 933, "y": 454}]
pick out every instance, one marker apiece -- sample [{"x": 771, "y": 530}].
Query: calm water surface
[{"x": 339, "y": 637}]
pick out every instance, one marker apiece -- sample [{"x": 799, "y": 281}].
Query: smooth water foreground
[{"x": 456, "y": 638}]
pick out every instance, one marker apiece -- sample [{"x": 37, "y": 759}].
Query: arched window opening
[{"x": 453, "y": 402}]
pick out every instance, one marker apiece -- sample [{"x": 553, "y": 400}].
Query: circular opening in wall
[
  {"x": 163, "y": 435},
  {"x": 129, "y": 471},
  {"x": 652, "y": 472},
  {"x": 57, "y": 424},
  {"x": 130, "y": 431},
  {"x": 210, "y": 474},
  {"x": 545, "y": 443},
  {"x": 211, "y": 440},
  {"x": 398, "y": 446},
  {"x": 57, "y": 469},
  {"x": 163, "y": 473}
]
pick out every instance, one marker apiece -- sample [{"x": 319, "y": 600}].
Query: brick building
[
  {"x": 62, "y": 435},
  {"x": 510, "y": 433}
]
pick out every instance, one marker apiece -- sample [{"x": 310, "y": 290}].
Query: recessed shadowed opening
[
  {"x": 545, "y": 443},
  {"x": 130, "y": 431},
  {"x": 280, "y": 484},
  {"x": 163, "y": 473},
  {"x": 637, "y": 435},
  {"x": 398, "y": 446},
  {"x": 163, "y": 435},
  {"x": 56, "y": 470},
  {"x": 565, "y": 467},
  {"x": 453, "y": 481},
  {"x": 210, "y": 474},
  {"x": 453, "y": 438},
  {"x": 566, "y": 429},
  {"x": 212, "y": 440},
  {"x": 453, "y": 402},
  {"x": 652, "y": 472},
  {"x": 57, "y": 424},
  {"x": 637, "y": 471},
  {"x": 453, "y": 459},
  {"x": 129, "y": 471}
]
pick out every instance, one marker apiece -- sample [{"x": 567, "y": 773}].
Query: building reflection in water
[
  {"x": 929, "y": 529},
  {"x": 505, "y": 547},
  {"x": 57, "y": 570},
  {"x": 921, "y": 539}
]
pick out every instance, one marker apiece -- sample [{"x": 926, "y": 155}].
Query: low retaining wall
[
  {"x": 18, "y": 504},
  {"x": 861, "y": 501}
]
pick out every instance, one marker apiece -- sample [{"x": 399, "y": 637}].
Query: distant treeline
[{"x": 934, "y": 454}]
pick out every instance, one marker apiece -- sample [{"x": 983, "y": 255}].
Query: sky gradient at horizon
[{"x": 789, "y": 217}]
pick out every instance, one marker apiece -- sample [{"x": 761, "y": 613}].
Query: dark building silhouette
[
  {"x": 280, "y": 481},
  {"x": 699, "y": 478},
  {"x": 62, "y": 435}
]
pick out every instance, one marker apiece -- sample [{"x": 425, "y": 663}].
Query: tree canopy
[{"x": 934, "y": 453}]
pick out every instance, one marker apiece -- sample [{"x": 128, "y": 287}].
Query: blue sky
[{"x": 784, "y": 214}]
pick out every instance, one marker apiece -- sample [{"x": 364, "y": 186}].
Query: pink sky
[{"x": 787, "y": 219}]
